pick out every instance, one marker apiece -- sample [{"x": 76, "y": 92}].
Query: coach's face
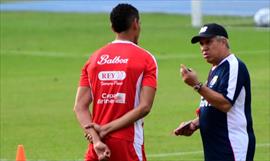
[{"x": 212, "y": 50}]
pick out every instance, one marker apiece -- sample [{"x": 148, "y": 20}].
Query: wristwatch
[{"x": 198, "y": 86}]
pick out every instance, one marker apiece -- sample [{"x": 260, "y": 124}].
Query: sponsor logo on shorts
[
  {"x": 107, "y": 98},
  {"x": 106, "y": 59}
]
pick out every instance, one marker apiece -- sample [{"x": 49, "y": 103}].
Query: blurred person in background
[
  {"x": 224, "y": 116},
  {"x": 120, "y": 80}
]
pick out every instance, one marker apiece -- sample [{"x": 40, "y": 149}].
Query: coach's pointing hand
[{"x": 188, "y": 76}]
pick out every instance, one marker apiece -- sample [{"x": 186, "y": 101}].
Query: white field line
[
  {"x": 198, "y": 55},
  {"x": 173, "y": 154},
  {"x": 192, "y": 152},
  {"x": 160, "y": 57},
  {"x": 263, "y": 145},
  {"x": 160, "y": 155},
  {"x": 43, "y": 53}
]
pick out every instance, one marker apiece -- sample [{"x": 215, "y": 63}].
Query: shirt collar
[
  {"x": 122, "y": 41},
  {"x": 228, "y": 57}
]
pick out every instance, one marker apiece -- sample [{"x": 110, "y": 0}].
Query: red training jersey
[{"x": 116, "y": 73}]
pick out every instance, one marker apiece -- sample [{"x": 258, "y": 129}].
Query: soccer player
[
  {"x": 120, "y": 81},
  {"x": 224, "y": 117}
]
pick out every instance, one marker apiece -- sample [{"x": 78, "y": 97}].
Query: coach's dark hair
[{"x": 122, "y": 16}]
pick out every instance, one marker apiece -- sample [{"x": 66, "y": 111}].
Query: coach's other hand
[{"x": 186, "y": 128}]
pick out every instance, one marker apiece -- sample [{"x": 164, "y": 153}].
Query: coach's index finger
[{"x": 183, "y": 69}]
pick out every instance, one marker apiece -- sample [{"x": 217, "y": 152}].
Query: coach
[{"x": 224, "y": 116}]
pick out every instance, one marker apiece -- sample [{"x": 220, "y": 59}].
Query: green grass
[
  {"x": 41, "y": 58},
  {"x": 11, "y": 1}
]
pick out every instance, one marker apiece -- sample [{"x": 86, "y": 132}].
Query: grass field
[{"x": 41, "y": 58}]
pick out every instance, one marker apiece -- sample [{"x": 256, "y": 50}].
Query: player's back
[{"x": 116, "y": 74}]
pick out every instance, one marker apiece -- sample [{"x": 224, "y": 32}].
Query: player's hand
[
  {"x": 188, "y": 76},
  {"x": 185, "y": 128},
  {"x": 102, "y": 151},
  {"x": 87, "y": 134},
  {"x": 101, "y": 130},
  {"x": 88, "y": 137}
]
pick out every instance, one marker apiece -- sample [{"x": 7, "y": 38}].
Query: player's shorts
[{"x": 121, "y": 150}]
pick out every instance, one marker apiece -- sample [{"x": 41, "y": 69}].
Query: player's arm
[
  {"x": 214, "y": 98},
  {"x": 146, "y": 100},
  {"x": 81, "y": 109}
]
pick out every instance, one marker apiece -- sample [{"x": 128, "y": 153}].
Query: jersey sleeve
[
  {"x": 150, "y": 73},
  {"x": 242, "y": 80},
  {"x": 84, "y": 80},
  {"x": 225, "y": 87},
  {"x": 232, "y": 83}
]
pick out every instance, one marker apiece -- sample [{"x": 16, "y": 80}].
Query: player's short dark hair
[{"x": 122, "y": 16}]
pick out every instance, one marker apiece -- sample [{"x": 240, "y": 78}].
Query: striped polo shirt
[{"x": 228, "y": 136}]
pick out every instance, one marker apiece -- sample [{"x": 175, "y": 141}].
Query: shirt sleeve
[
  {"x": 243, "y": 81},
  {"x": 232, "y": 82},
  {"x": 150, "y": 73},
  {"x": 84, "y": 80},
  {"x": 225, "y": 88}
]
